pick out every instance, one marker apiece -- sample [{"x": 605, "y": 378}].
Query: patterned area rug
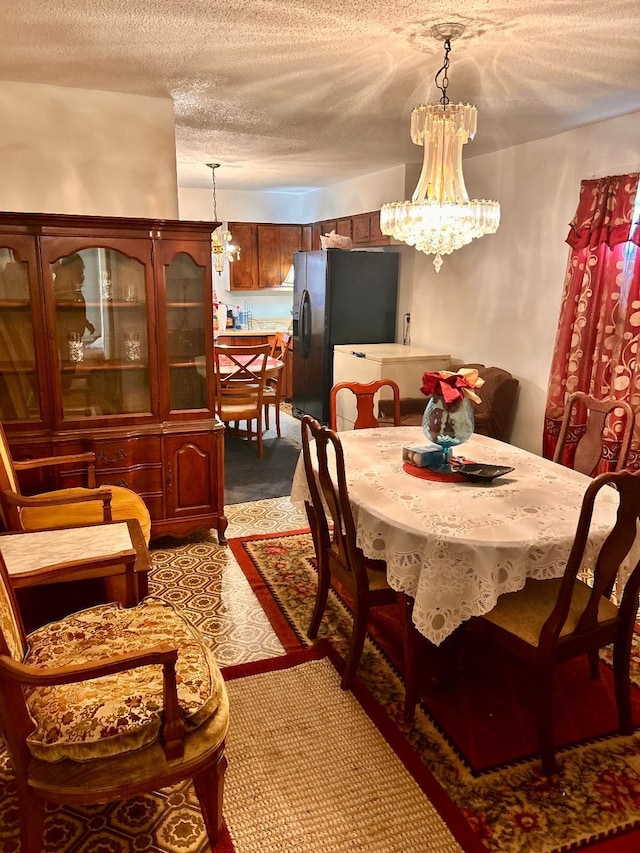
[{"x": 510, "y": 805}]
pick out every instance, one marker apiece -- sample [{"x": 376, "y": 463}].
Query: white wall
[
  {"x": 87, "y": 152},
  {"x": 243, "y": 205}
]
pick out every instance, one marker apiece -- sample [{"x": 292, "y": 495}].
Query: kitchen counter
[{"x": 261, "y": 326}]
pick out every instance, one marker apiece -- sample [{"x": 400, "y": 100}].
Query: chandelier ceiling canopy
[
  {"x": 440, "y": 218},
  {"x": 222, "y": 248}
]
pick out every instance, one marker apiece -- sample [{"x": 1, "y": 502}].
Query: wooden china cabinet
[{"x": 101, "y": 321}]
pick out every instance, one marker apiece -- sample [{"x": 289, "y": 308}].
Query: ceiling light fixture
[
  {"x": 440, "y": 218},
  {"x": 222, "y": 248}
]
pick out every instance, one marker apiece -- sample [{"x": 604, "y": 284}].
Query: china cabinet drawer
[{"x": 125, "y": 454}]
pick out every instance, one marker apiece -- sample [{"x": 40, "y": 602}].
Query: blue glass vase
[{"x": 447, "y": 425}]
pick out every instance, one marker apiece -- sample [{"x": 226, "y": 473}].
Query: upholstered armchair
[
  {"x": 106, "y": 704},
  {"x": 64, "y": 507}
]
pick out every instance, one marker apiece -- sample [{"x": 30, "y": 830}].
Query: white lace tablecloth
[{"x": 455, "y": 547}]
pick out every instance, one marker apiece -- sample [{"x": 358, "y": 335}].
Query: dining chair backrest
[
  {"x": 315, "y": 510},
  {"x": 240, "y": 364},
  {"x": 364, "y": 393},
  {"x": 609, "y": 563},
  {"x": 280, "y": 346},
  {"x": 345, "y": 558},
  {"x": 589, "y": 441},
  {"x": 240, "y": 376},
  {"x": 274, "y": 385}
]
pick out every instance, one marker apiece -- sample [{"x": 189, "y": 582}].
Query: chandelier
[
  {"x": 440, "y": 218},
  {"x": 222, "y": 248}
]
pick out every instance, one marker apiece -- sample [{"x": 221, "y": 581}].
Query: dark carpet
[{"x": 249, "y": 478}]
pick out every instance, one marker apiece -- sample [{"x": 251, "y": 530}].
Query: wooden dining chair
[
  {"x": 551, "y": 621},
  {"x": 72, "y": 507},
  {"x": 107, "y": 704},
  {"x": 274, "y": 384},
  {"x": 239, "y": 386},
  {"x": 337, "y": 553},
  {"x": 364, "y": 393},
  {"x": 589, "y": 445}
]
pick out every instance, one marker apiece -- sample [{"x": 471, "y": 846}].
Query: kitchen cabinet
[
  {"x": 243, "y": 272},
  {"x": 307, "y": 238},
  {"x": 276, "y": 245},
  {"x": 266, "y": 253},
  {"x": 366, "y": 230},
  {"x": 343, "y": 227},
  {"x": 101, "y": 321},
  {"x": 266, "y": 250},
  {"x": 363, "y": 228}
]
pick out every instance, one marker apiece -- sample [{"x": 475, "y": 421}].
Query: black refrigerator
[{"x": 339, "y": 298}]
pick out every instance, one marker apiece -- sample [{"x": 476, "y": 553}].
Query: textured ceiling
[{"x": 293, "y": 94}]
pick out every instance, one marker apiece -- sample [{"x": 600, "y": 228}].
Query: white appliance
[{"x": 369, "y": 362}]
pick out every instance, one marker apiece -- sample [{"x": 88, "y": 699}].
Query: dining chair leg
[
  {"x": 259, "y": 435},
  {"x": 405, "y": 606},
  {"x": 621, "y": 667},
  {"x": 544, "y": 719},
  {"x": 209, "y": 786},
  {"x": 594, "y": 663},
  {"x": 360, "y": 619},
  {"x": 277, "y": 408},
  {"x": 32, "y": 815},
  {"x": 324, "y": 575}
]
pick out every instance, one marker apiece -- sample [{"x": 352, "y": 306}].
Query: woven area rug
[
  {"x": 507, "y": 801},
  {"x": 309, "y": 770}
]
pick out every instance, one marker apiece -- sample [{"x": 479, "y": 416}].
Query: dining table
[{"x": 454, "y": 545}]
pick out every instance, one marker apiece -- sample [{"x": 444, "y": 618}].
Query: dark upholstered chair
[{"x": 493, "y": 416}]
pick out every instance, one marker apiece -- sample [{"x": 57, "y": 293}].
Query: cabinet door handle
[
  {"x": 103, "y": 456},
  {"x": 169, "y": 477}
]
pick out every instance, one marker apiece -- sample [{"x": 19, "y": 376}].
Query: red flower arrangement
[{"x": 452, "y": 387}]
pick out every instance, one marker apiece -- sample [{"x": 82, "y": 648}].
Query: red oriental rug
[{"x": 477, "y": 735}]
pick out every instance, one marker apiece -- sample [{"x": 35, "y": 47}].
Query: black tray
[{"x": 477, "y": 472}]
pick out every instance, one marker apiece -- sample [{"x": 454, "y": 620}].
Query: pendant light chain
[
  {"x": 444, "y": 100},
  {"x": 213, "y": 167}
]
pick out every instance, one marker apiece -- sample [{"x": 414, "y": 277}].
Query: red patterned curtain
[{"x": 598, "y": 337}]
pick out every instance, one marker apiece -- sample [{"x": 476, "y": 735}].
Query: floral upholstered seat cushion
[{"x": 121, "y": 712}]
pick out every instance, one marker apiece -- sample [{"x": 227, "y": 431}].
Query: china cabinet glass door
[
  {"x": 190, "y": 358},
  {"x": 19, "y": 331},
  {"x": 100, "y": 316}
]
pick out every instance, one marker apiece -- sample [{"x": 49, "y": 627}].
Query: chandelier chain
[
  {"x": 444, "y": 100},
  {"x": 215, "y": 205}
]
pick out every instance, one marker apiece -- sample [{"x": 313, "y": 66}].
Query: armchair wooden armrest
[
  {"x": 104, "y": 495},
  {"x": 50, "y": 461},
  {"x": 163, "y": 654}
]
